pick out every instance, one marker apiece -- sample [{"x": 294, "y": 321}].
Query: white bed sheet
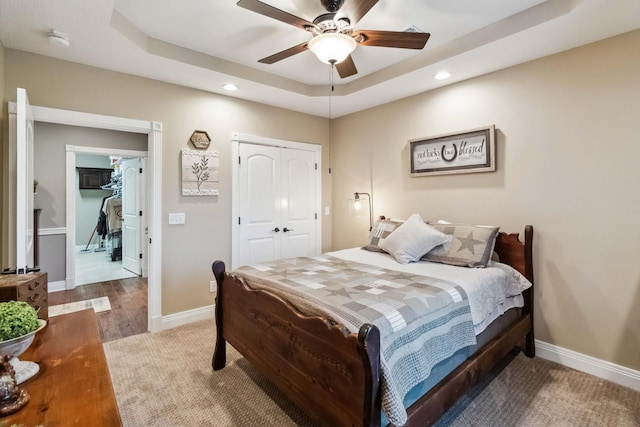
[{"x": 491, "y": 290}]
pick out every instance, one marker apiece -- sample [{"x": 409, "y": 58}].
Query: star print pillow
[{"x": 467, "y": 246}]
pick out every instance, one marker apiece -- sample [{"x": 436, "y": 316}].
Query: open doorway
[{"x": 110, "y": 197}]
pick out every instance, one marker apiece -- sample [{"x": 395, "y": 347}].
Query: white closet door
[
  {"x": 131, "y": 218},
  {"x": 259, "y": 203},
  {"x": 298, "y": 209},
  {"x": 277, "y": 203}
]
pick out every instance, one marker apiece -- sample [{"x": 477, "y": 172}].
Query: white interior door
[
  {"x": 24, "y": 183},
  {"x": 131, "y": 215},
  {"x": 298, "y": 207},
  {"x": 260, "y": 197},
  {"x": 277, "y": 203}
]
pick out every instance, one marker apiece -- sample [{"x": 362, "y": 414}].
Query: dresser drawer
[
  {"x": 30, "y": 288},
  {"x": 36, "y": 286}
]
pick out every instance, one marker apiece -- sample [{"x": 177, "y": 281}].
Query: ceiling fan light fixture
[{"x": 332, "y": 47}]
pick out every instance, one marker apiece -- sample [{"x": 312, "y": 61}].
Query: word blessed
[{"x": 463, "y": 150}]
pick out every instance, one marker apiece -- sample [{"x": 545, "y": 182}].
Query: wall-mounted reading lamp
[{"x": 357, "y": 206}]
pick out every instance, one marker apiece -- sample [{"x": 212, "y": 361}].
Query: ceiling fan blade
[
  {"x": 401, "y": 39},
  {"x": 347, "y": 68},
  {"x": 275, "y": 13},
  {"x": 355, "y": 9},
  {"x": 285, "y": 53}
]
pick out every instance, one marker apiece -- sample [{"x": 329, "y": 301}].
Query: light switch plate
[{"x": 176, "y": 218}]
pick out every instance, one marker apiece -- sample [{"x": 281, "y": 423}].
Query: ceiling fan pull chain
[{"x": 331, "y": 82}]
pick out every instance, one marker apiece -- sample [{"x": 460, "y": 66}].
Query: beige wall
[
  {"x": 568, "y": 151},
  {"x": 188, "y": 250}
]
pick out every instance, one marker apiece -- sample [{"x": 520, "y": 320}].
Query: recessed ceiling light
[
  {"x": 230, "y": 87},
  {"x": 59, "y": 38},
  {"x": 442, "y": 75}
]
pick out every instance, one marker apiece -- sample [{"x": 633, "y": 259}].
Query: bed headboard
[{"x": 517, "y": 254}]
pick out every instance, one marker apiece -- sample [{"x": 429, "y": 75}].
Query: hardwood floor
[{"x": 128, "y": 299}]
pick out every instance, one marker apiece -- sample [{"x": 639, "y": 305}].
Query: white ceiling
[{"x": 205, "y": 43}]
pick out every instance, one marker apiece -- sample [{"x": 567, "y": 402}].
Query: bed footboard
[{"x": 331, "y": 374}]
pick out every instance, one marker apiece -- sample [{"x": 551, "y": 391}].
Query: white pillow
[{"x": 411, "y": 240}]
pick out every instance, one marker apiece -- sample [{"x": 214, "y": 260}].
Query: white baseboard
[
  {"x": 60, "y": 285},
  {"x": 609, "y": 371},
  {"x": 184, "y": 317}
]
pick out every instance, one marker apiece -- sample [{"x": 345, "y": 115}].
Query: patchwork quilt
[{"x": 422, "y": 320}]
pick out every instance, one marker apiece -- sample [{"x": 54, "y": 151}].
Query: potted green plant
[{"x": 17, "y": 318}]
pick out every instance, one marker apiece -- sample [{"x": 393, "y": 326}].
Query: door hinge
[
  {"x": 238, "y": 220},
  {"x": 140, "y": 170},
  {"x": 140, "y": 213},
  {"x": 316, "y": 214},
  {"x": 238, "y": 159},
  {"x": 316, "y": 166},
  {"x": 140, "y": 256},
  {"x": 149, "y": 240}
]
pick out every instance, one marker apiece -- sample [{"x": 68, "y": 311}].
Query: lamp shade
[{"x": 332, "y": 47}]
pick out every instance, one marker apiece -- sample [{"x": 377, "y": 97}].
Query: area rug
[
  {"x": 165, "y": 379},
  {"x": 98, "y": 305}
]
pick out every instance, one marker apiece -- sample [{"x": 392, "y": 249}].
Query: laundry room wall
[{"x": 89, "y": 202}]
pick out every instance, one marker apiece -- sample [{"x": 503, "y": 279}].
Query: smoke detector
[{"x": 58, "y": 38}]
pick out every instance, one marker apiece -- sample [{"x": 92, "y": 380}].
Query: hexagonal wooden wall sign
[{"x": 200, "y": 139}]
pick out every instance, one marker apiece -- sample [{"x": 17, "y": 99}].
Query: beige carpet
[{"x": 165, "y": 379}]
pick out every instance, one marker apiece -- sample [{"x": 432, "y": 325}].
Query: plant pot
[{"x": 15, "y": 347}]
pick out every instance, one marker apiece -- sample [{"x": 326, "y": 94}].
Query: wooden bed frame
[{"x": 334, "y": 375}]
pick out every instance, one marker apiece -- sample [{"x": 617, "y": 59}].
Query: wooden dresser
[
  {"x": 73, "y": 387},
  {"x": 30, "y": 288}
]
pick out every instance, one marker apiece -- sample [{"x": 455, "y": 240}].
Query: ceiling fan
[{"x": 335, "y": 28}]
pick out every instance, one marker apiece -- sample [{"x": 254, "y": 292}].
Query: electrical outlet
[{"x": 213, "y": 286}]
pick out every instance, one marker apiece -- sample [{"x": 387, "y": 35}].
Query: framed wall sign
[
  {"x": 200, "y": 173},
  {"x": 469, "y": 151}
]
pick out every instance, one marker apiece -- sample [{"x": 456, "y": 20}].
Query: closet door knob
[
  {"x": 287, "y": 229},
  {"x": 276, "y": 229}
]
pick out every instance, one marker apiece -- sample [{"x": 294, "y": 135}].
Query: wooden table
[{"x": 73, "y": 387}]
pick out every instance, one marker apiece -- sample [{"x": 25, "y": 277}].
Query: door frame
[
  {"x": 236, "y": 140},
  {"x": 154, "y": 193}
]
